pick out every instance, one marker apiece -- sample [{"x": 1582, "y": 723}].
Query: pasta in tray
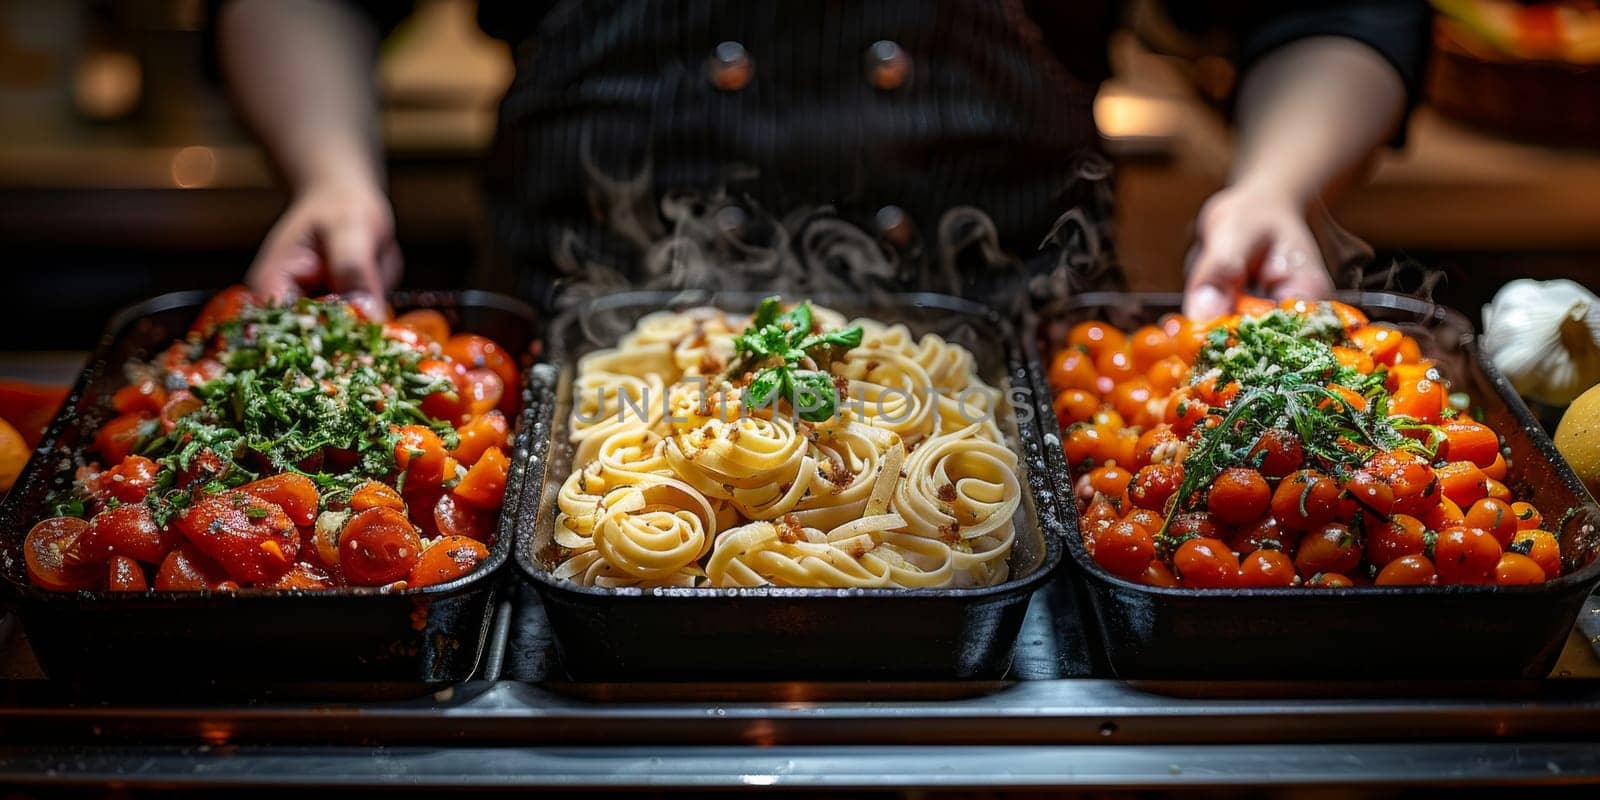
[{"x": 784, "y": 449}]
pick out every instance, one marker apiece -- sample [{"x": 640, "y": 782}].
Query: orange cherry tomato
[
  {"x": 1542, "y": 547},
  {"x": 1219, "y": 396},
  {"x": 1072, "y": 405},
  {"x": 420, "y": 454},
  {"x": 303, "y": 577},
  {"x": 484, "y": 485},
  {"x": 1116, "y": 364},
  {"x": 1110, "y": 480},
  {"x": 426, "y": 321},
  {"x": 1158, "y": 439},
  {"x": 1497, "y": 468},
  {"x": 1131, "y": 399},
  {"x": 291, "y": 491},
  {"x": 145, "y": 397},
  {"x": 1408, "y": 570},
  {"x": 1149, "y": 345},
  {"x": 475, "y": 352},
  {"x": 1072, "y": 369},
  {"x": 1119, "y": 446},
  {"x": 1307, "y": 499},
  {"x": 1496, "y": 489},
  {"x": 446, "y": 559},
  {"x": 1463, "y": 482},
  {"x": 1357, "y": 360},
  {"x": 484, "y": 390},
  {"x": 377, "y": 547},
  {"x": 1145, "y": 517},
  {"x": 1124, "y": 549},
  {"x": 1331, "y": 548},
  {"x": 1093, "y": 337},
  {"x": 123, "y": 574},
  {"x": 1184, "y": 411},
  {"x": 1081, "y": 443},
  {"x": 1206, "y": 563},
  {"x": 224, "y": 306},
  {"x": 131, "y": 480},
  {"x": 374, "y": 494},
  {"x": 1158, "y": 574},
  {"x": 1465, "y": 555},
  {"x": 122, "y": 435},
  {"x": 1167, "y": 374},
  {"x": 1424, "y": 400},
  {"x": 179, "y": 404},
  {"x": 1515, "y": 569},
  {"x": 1379, "y": 340},
  {"x": 46, "y": 551},
  {"x": 1351, "y": 316},
  {"x": 1396, "y": 482},
  {"x": 1445, "y": 515},
  {"x": 1238, "y": 495},
  {"x": 1346, "y": 397},
  {"x": 1528, "y": 517},
  {"x": 1466, "y": 439},
  {"x": 1265, "y": 569},
  {"x": 1251, "y": 306},
  {"x": 1494, "y": 516},
  {"x": 1329, "y": 580},
  {"x": 1389, "y": 539}
]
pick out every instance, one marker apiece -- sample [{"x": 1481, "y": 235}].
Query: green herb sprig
[{"x": 772, "y": 350}]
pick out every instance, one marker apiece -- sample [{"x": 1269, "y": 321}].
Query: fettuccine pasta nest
[{"x": 676, "y": 482}]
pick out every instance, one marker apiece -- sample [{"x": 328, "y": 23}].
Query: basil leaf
[
  {"x": 812, "y": 395},
  {"x": 844, "y": 338},
  {"x": 766, "y": 313},
  {"x": 762, "y": 386},
  {"x": 798, "y": 322}
]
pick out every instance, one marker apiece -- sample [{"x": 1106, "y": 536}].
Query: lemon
[
  {"x": 1578, "y": 438},
  {"x": 13, "y": 455}
]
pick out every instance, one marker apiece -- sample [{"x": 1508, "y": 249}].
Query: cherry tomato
[
  {"x": 1167, "y": 374},
  {"x": 1497, "y": 468},
  {"x": 1110, "y": 480},
  {"x": 1131, "y": 398},
  {"x": 1445, "y": 515},
  {"x": 1143, "y": 516},
  {"x": 126, "y": 530},
  {"x": 145, "y": 397},
  {"x": 1071, "y": 406},
  {"x": 1344, "y": 397},
  {"x": 446, "y": 559},
  {"x": 1109, "y": 419},
  {"x": 1357, "y": 360},
  {"x": 123, "y": 574},
  {"x": 1515, "y": 569},
  {"x": 1218, "y": 396},
  {"x": 1331, "y": 548},
  {"x": 1408, "y": 476},
  {"x": 1528, "y": 517},
  {"x": 1238, "y": 495},
  {"x": 426, "y": 321},
  {"x": 1542, "y": 547},
  {"x": 1263, "y": 533},
  {"x": 293, "y": 492},
  {"x": 179, "y": 404},
  {"x": 1465, "y": 555},
  {"x": 451, "y": 518},
  {"x": 1423, "y": 399},
  {"x": 1195, "y": 523},
  {"x": 1120, "y": 447},
  {"x": 122, "y": 435},
  {"x": 1466, "y": 439},
  {"x": 1351, "y": 316},
  {"x": 46, "y": 549},
  {"x": 1116, "y": 364},
  {"x": 1081, "y": 444},
  {"x": 224, "y": 306},
  {"x": 1072, "y": 369},
  {"x": 484, "y": 485},
  {"x": 1277, "y": 453},
  {"x": 186, "y": 569},
  {"x": 1159, "y": 439},
  {"x": 1494, "y": 516},
  {"x": 1264, "y": 569},
  {"x": 378, "y": 546},
  {"x": 449, "y": 403},
  {"x": 1093, "y": 337},
  {"x": 130, "y": 480},
  {"x": 1408, "y": 570},
  {"x": 1158, "y": 574},
  {"x": 1496, "y": 489},
  {"x": 1185, "y": 410},
  {"x": 1149, "y": 345},
  {"x": 1397, "y": 536},
  {"x": 1100, "y": 514},
  {"x": 1379, "y": 340},
  {"x": 252, "y": 539},
  {"x": 1330, "y": 580},
  {"x": 303, "y": 576},
  {"x": 1307, "y": 499},
  {"x": 420, "y": 455},
  {"x": 1124, "y": 549},
  {"x": 373, "y": 494},
  {"x": 1252, "y": 306},
  {"x": 476, "y": 352},
  {"x": 1153, "y": 484},
  {"x": 1206, "y": 564},
  {"x": 1463, "y": 482}
]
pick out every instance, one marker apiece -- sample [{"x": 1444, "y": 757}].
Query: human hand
[
  {"x": 1251, "y": 236},
  {"x": 336, "y": 237}
]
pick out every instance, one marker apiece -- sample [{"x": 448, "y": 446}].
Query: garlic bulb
[{"x": 1545, "y": 337}]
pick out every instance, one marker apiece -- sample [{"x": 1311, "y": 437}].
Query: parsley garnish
[{"x": 788, "y": 358}]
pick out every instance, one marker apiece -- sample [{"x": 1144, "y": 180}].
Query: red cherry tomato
[
  {"x": 1206, "y": 564},
  {"x": 1400, "y": 535},
  {"x": 1307, "y": 499},
  {"x": 123, "y": 574},
  {"x": 122, "y": 435},
  {"x": 1124, "y": 549},
  {"x": 484, "y": 485},
  {"x": 1279, "y": 452},
  {"x": 186, "y": 569},
  {"x": 377, "y": 547},
  {"x": 1494, "y": 516},
  {"x": 1264, "y": 569},
  {"x": 1408, "y": 570},
  {"x": 451, "y": 518},
  {"x": 252, "y": 539},
  {"x": 1332, "y": 548},
  {"x": 446, "y": 559},
  {"x": 1238, "y": 495},
  {"x": 1465, "y": 555},
  {"x": 130, "y": 480},
  {"x": 46, "y": 550},
  {"x": 293, "y": 492},
  {"x": 126, "y": 530}
]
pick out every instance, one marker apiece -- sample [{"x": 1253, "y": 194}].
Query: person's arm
[
  {"x": 302, "y": 74},
  {"x": 1308, "y": 115}
]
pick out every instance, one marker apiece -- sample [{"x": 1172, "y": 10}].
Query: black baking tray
[
  {"x": 781, "y": 632},
  {"x": 1373, "y": 632},
  {"x": 428, "y": 635}
]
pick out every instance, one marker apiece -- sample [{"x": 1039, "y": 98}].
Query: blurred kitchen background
[{"x": 123, "y": 173}]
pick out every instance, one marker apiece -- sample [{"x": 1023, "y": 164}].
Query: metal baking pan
[
  {"x": 432, "y": 634},
  {"x": 1357, "y": 632},
  {"x": 780, "y": 632}
]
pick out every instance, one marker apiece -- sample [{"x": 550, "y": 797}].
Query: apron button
[
  {"x": 888, "y": 66},
  {"x": 730, "y": 67},
  {"x": 894, "y": 225}
]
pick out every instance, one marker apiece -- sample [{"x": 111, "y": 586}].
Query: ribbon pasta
[{"x": 675, "y": 483}]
